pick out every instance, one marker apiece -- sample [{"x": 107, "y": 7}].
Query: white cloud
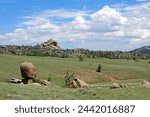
[
  {"x": 138, "y": 11},
  {"x": 59, "y": 13},
  {"x": 108, "y": 15},
  {"x": 64, "y": 13},
  {"x": 80, "y": 19},
  {"x": 109, "y": 28},
  {"x": 107, "y": 20}
]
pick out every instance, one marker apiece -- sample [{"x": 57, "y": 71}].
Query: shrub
[
  {"x": 80, "y": 58},
  {"x": 49, "y": 78},
  {"x": 136, "y": 60},
  {"x": 64, "y": 55},
  {"x": 68, "y": 78},
  {"x": 99, "y": 68}
]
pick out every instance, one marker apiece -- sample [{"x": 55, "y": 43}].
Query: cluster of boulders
[
  {"x": 28, "y": 73},
  {"x": 144, "y": 84},
  {"x": 77, "y": 83},
  {"x": 118, "y": 85}
]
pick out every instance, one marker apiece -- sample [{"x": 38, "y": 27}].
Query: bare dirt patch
[{"x": 91, "y": 75}]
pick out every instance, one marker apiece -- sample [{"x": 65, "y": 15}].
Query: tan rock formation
[
  {"x": 76, "y": 83},
  {"x": 28, "y": 70},
  {"x": 50, "y": 44}
]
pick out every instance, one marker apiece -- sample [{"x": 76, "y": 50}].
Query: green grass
[
  {"x": 125, "y": 71},
  {"x": 25, "y": 92}
]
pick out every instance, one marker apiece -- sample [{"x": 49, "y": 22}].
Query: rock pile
[
  {"x": 76, "y": 83},
  {"x": 28, "y": 72},
  {"x": 118, "y": 85}
]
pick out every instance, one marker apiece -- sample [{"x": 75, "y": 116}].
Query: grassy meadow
[{"x": 113, "y": 70}]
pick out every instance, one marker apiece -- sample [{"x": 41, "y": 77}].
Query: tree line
[{"x": 68, "y": 53}]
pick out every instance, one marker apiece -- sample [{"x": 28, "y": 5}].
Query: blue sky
[{"x": 91, "y": 24}]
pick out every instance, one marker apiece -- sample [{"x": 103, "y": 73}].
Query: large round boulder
[{"x": 28, "y": 70}]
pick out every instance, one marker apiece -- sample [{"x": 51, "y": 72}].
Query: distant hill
[
  {"x": 51, "y": 48},
  {"x": 145, "y": 50}
]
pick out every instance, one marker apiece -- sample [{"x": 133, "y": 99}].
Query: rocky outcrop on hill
[
  {"x": 49, "y": 48},
  {"x": 52, "y": 49},
  {"x": 50, "y": 44}
]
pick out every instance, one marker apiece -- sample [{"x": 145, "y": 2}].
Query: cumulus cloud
[
  {"x": 109, "y": 28},
  {"x": 107, "y": 19},
  {"x": 108, "y": 15}
]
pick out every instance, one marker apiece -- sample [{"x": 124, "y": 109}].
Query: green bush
[
  {"x": 136, "y": 60},
  {"x": 99, "y": 68},
  {"x": 81, "y": 58},
  {"x": 49, "y": 78},
  {"x": 68, "y": 78}
]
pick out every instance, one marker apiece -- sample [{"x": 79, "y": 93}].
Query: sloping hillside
[
  {"x": 113, "y": 70},
  {"x": 145, "y": 50}
]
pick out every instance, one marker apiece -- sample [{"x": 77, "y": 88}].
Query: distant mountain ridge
[
  {"x": 51, "y": 48},
  {"x": 145, "y": 50}
]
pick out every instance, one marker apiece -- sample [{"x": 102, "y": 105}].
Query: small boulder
[
  {"x": 82, "y": 83},
  {"x": 146, "y": 84},
  {"x": 118, "y": 85},
  {"x": 28, "y": 70},
  {"x": 27, "y": 81},
  {"x": 17, "y": 81},
  {"x": 115, "y": 85},
  {"x": 46, "y": 83},
  {"x": 73, "y": 84}
]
